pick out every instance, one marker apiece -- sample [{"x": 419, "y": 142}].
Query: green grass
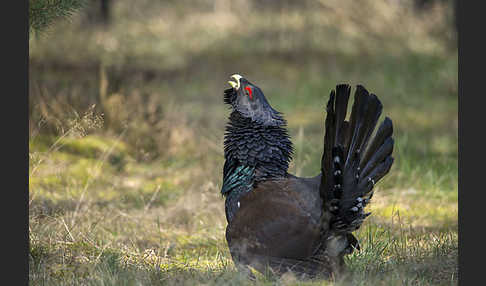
[{"x": 126, "y": 192}]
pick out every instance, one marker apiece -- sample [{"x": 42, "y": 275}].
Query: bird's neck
[
  {"x": 268, "y": 149},
  {"x": 254, "y": 152}
]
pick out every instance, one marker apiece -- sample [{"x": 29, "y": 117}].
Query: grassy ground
[{"x": 127, "y": 123}]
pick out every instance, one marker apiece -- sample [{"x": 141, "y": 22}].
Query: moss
[{"x": 95, "y": 147}]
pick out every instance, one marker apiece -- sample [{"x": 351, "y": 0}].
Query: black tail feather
[
  {"x": 354, "y": 120},
  {"x": 326, "y": 162},
  {"x": 379, "y": 172},
  {"x": 368, "y": 111},
  {"x": 350, "y": 166},
  {"x": 370, "y": 119},
  {"x": 384, "y": 131},
  {"x": 381, "y": 154},
  {"x": 343, "y": 91}
]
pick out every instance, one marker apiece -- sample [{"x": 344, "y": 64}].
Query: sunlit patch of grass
[
  {"x": 401, "y": 257},
  {"x": 74, "y": 177},
  {"x": 414, "y": 210},
  {"x": 94, "y": 146}
]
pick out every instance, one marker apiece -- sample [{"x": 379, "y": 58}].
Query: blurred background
[{"x": 126, "y": 124}]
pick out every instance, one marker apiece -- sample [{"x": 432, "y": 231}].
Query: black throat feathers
[{"x": 266, "y": 148}]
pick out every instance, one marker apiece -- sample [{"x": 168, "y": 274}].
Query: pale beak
[{"x": 235, "y": 84}]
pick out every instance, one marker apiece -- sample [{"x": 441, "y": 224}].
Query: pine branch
[{"x": 43, "y": 12}]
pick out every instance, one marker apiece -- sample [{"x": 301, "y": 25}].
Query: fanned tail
[{"x": 352, "y": 163}]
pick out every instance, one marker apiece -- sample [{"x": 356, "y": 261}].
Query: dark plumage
[{"x": 281, "y": 222}]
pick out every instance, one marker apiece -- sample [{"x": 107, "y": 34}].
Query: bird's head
[{"x": 249, "y": 100}]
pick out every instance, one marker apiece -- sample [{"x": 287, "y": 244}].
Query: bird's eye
[{"x": 249, "y": 92}]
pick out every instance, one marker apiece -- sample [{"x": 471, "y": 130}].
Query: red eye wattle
[{"x": 249, "y": 92}]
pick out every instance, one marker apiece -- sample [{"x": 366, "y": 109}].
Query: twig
[{"x": 147, "y": 206}]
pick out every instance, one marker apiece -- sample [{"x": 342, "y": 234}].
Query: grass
[{"x": 126, "y": 134}]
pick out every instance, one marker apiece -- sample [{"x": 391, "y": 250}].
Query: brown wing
[{"x": 276, "y": 219}]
